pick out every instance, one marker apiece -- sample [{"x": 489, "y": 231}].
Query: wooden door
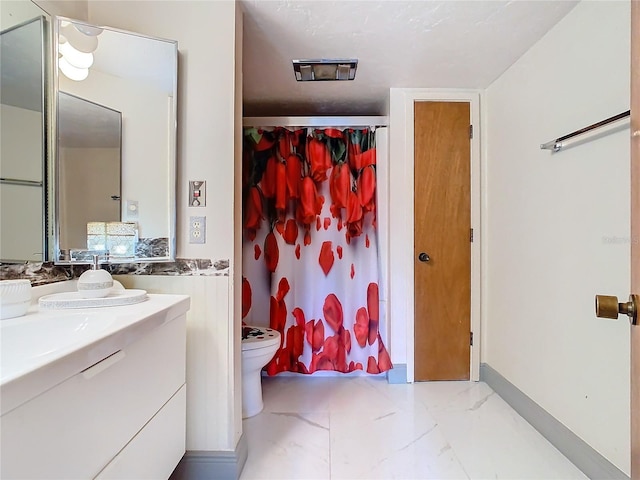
[
  {"x": 635, "y": 235},
  {"x": 442, "y": 233}
]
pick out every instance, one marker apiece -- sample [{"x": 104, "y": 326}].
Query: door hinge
[
  {"x": 471, "y": 234},
  {"x": 470, "y": 131},
  {"x": 471, "y": 338}
]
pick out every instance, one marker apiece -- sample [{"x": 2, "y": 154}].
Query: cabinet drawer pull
[{"x": 102, "y": 365}]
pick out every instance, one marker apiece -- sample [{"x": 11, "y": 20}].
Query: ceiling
[
  {"x": 399, "y": 43},
  {"x": 84, "y": 124}
]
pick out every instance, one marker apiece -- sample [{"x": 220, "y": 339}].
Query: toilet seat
[{"x": 259, "y": 337}]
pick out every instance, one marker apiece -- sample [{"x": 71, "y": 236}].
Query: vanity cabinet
[{"x": 122, "y": 417}]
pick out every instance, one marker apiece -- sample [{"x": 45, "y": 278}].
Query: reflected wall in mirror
[
  {"x": 89, "y": 165},
  {"x": 22, "y": 132},
  {"x": 137, "y": 76}
]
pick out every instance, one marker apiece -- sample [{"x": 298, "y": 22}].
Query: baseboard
[
  {"x": 323, "y": 373},
  {"x": 398, "y": 374},
  {"x": 592, "y": 464},
  {"x": 210, "y": 465}
]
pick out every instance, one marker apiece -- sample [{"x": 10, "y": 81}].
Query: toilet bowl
[{"x": 259, "y": 345}]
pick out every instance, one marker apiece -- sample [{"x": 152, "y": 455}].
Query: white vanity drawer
[
  {"x": 155, "y": 451},
  {"x": 75, "y": 429}
]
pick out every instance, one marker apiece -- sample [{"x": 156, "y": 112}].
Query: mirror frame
[{"x": 54, "y": 163}]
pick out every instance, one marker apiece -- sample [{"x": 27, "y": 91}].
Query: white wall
[
  {"x": 14, "y": 12},
  {"x": 21, "y": 206},
  {"x": 549, "y": 220},
  {"x": 21, "y": 152},
  {"x": 21, "y": 229},
  {"x": 76, "y": 9},
  {"x": 208, "y": 99}
]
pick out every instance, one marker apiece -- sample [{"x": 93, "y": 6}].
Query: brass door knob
[{"x": 607, "y": 306}]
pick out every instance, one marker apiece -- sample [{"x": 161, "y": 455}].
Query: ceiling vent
[{"x": 325, "y": 69}]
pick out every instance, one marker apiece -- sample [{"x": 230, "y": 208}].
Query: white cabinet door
[
  {"x": 154, "y": 453},
  {"x": 75, "y": 429}
]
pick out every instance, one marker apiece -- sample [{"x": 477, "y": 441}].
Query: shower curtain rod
[
  {"x": 556, "y": 145},
  {"x": 316, "y": 122}
]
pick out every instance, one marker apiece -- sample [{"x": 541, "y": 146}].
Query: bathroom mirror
[
  {"x": 89, "y": 162},
  {"x": 23, "y": 139},
  {"x": 116, "y": 90}
]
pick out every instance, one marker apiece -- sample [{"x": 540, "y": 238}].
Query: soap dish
[{"x": 75, "y": 300}]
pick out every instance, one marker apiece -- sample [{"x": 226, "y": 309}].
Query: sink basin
[{"x": 25, "y": 342}]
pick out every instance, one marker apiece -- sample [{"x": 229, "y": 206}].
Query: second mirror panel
[{"x": 22, "y": 139}]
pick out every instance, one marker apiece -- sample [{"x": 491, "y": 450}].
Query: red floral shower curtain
[{"x": 310, "y": 252}]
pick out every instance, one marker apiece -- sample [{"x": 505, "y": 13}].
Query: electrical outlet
[
  {"x": 197, "y": 229},
  {"x": 132, "y": 208}
]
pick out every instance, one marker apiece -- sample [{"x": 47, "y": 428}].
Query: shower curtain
[{"x": 310, "y": 251}]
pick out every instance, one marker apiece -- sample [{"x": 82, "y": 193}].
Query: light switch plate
[{"x": 197, "y": 193}]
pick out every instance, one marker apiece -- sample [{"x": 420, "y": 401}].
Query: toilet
[{"x": 259, "y": 345}]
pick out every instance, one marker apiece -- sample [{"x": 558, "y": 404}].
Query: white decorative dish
[
  {"x": 76, "y": 300},
  {"x": 15, "y": 298}
]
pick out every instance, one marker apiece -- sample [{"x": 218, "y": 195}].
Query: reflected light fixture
[
  {"x": 71, "y": 72},
  {"x": 75, "y": 57},
  {"x": 76, "y": 46},
  {"x": 80, "y": 41},
  {"x": 325, "y": 69}
]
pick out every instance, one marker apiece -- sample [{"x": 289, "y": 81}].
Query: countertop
[{"x": 45, "y": 347}]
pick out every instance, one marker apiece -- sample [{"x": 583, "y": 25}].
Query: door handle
[
  {"x": 607, "y": 306},
  {"x": 424, "y": 257}
]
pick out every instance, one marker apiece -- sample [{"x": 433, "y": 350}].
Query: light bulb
[
  {"x": 71, "y": 72},
  {"x": 74, "y": 57},
  {"x": 90, "y": 30},
  {"x": 80, "y": 41}
]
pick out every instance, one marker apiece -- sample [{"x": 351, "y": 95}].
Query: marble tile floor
[{"x": 365, "y": 428}]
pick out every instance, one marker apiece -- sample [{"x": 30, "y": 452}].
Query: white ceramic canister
[{"x": 15, "y": 298}]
